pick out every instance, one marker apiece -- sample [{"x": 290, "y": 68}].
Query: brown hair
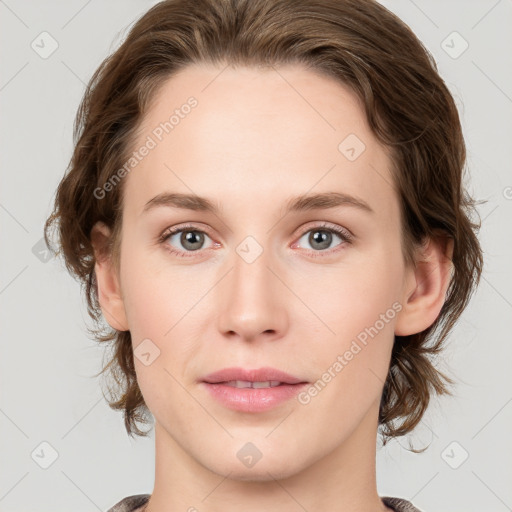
[{"x": 359, "y": 43}]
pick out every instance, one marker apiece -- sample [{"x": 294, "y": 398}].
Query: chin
[
  {"x": 268, "y": 462},
  {"x": 258, "y": 473}
]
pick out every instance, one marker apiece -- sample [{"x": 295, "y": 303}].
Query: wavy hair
[{"x": 407, "y": 105}]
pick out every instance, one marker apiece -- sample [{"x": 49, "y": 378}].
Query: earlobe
[
  {"x": 109, "y": 290},
  {"x": 426, "y": 286}
]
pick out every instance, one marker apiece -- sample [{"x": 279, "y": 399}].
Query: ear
[
  {"x": 425, "y": 286},
  {"x": 109, "y": 290}
]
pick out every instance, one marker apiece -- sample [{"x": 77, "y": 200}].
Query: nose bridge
[
  {"x": 251, "y": 281},
  {"x": 250, "y": 296}
]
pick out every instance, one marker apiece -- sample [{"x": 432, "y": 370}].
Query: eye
[
  {"x": 320, "y": 238},
  {"x": 189, "y": 238}
]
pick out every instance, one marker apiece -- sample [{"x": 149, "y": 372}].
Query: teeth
[{"x": 256, "y": 385}]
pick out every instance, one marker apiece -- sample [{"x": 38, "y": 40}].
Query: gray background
[{"x": 47, "y": 392}]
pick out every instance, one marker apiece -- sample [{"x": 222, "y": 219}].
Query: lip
[
  {"x": 249, "y": 399},
  {"x": 257, "y": 375}
]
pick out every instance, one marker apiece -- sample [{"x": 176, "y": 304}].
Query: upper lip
[{"x": 257, "y": 375}]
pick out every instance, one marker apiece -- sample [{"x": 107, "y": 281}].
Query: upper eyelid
[
  {"x": 192, "y": 227},
  {"x": 345, "y": 235}
]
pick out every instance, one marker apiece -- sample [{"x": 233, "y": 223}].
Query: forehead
[{"x": 250, "y": 132}]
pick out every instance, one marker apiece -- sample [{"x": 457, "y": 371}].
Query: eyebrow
[{"x": 305, "y": 202}]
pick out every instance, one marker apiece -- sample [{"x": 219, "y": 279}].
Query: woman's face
[{"x": 252, "y": 283}]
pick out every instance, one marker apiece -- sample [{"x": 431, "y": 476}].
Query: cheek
[
  {"x": 154, "y": 297},
  {"x": 159, "y": 305},
  {"x": 357, "y": 305},
  {"x": 167, "y": 305},
  {"x": 352, "y": 362},
  {"x": 349, "y": 298}
]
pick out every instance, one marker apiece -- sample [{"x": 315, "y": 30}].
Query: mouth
[
  {"x": 241, "y": 384},
  {"x": 252, "y": 390},
  {"x": 261, "y": 377}
]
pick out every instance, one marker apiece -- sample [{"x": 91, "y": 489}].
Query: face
[{"x": 312, "y": 291}]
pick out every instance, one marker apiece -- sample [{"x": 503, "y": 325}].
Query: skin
[{"x": 257, "y": 138}]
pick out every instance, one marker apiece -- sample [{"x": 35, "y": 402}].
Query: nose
[{"x": 253, "y": 299}]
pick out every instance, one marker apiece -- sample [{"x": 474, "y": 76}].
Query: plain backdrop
[{"x": 52, "y": 412}]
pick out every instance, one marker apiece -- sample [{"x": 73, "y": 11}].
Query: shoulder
[
  {"x": 130, "y": 503},
  {"x": 399, "y": 504}
]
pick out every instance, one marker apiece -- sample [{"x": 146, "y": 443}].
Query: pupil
[
  {"x": 191, "y": 237},
  {"x": 323, "y": 238}
]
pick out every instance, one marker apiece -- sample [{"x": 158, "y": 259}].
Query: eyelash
[{"x": 342, "y": 233}]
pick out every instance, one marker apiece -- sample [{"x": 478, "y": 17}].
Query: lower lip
[{"x": 253, "y": 400}]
